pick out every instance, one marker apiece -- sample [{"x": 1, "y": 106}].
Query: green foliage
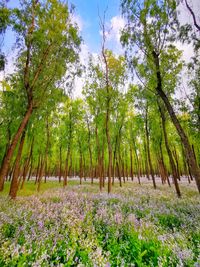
[
  {"x": 8, "y": 230},
  {"x": 169, "y": 221}
]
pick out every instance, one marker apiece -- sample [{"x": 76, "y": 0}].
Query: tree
[
  {"x": 196, "y": 24},
  {"x": 151, "y": 27},
  {"x": 48, "y": 41},
  {"x": 4, "y": 22}
]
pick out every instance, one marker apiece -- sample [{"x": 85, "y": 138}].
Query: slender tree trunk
[
  {"x": 9, "y": 172},
  {"x": 102, "y": 167},
  {"x": 146, "y": 159},
  {"x": 38, "y": 169},
  {"x": 60, "y": 164},
  {"x": 137, "y": 161},
  {"x": 30, "y": 170},
  {"x": 108, "y": 99},
  {"x": 81, "y": 168},
  {"x": 188, "y": 150},
  {"x": 114, "y": 161},
  {"x": 164, "y": 167},
  {"x": 67, "y": 167},
  {"x": 119, "y": 173},
  {"x": 171, "y": 160},
  {"x": 14, "y": 182},
  {"x": 80, "y": 162},
  {"x": 174, "y": 153},
  {"x": 131, "y": 162},
  {"x": 26, "y": 166},
  {"x": 47, "y": 148},
  {"x": 40, "y": 173},
  {"x": 85, "y": 170},
  {"x": 12, "y": 146},
  {"x": 90, "y": 152},
  {"x": 109, "y": 149},
  {"x": 123, "y": 169},
  {"x": 185, "y": 166},
  {"x": 148, "y": 149}
]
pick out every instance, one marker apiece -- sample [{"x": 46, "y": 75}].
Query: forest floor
[{"x": 135, "y": 225}]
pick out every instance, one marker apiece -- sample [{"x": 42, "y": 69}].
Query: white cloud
[
  {"x": 9, "y": 67},
  {"x": 187, "y": 51},
  {"x": 78, "y": 20},
  {"x": 117, "y": 24},
  {"x": 84, "y": 54},
  {"x": 113, "y": 33},
  {"x": 113, "y": 28},
  {"x": 78, "y": 87},
  {"x": 84, "y": 59}
]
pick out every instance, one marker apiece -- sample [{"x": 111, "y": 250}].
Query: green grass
[{"x": 31, "y": 189}]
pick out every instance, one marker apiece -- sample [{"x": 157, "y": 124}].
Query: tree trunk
[
  {"x": 171, "y": 160},
  {"x": 90, "y": 152},
  {"x": 109, "y": 150},
  {"x": 119, "y": 173},
  {"x": 164, "y": 168},
  {"x": 12, "y": 146},
  {"x": 67, "y": 167},
  {"x": 148, "y": 148},
  {"x": 26, "y": 166},
  {"x": 60, "y": 164},
  {"x": 131, "y": 162},
  {"x": 40, "y": 173},
  {"x": 14, "y": 182},
  {"x": 177, "y": 164},
  {"x": 80, "y": 162},
  {"x": 146, "y": 160},
  {"x": 30, "y": 170},
  {"x": 188, "y": 150},
  {"x": 137, "y": 161}
]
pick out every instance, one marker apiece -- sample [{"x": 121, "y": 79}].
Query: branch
[
  {"x": 39, "y": 69},
  {"x": 29, "y": 45},
  {"x": 193, "y": 16},
  {"x": 144, "y": 84}
]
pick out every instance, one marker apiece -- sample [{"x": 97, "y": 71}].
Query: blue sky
[{"x": 88, "y": 12}]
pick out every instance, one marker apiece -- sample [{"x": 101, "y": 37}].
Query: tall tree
[
  {"x": 48, "y": 41},
  {"x": 151, "y": 27}
]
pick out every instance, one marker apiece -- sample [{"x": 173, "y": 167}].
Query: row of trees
[{"x": 116, "y": 131}]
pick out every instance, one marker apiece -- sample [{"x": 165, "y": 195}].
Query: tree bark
[
  {"x": 148, "y": 148},
  {"x": 14, "y": 182},
  {"x": 131, "y": 163},
  {"x": 60, "y": 164},
  {"x": 40, "y": 173},
  {"x": 27, "y": 165},
  {"x": 13, "y": 144},
  {"x": 171, "y": 160},
  {"x": 184, "y": 139},
  {"x": 90, "y": 152}
]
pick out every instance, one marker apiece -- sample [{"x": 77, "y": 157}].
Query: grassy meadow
[{"x": 135, "y": 225}]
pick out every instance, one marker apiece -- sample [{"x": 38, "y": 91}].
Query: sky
[{"x": 88, "y": 13}]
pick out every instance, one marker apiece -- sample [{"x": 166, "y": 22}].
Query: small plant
[
  {"x": 169, "y": 221},
  {"x": 8, "y": 230}
]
